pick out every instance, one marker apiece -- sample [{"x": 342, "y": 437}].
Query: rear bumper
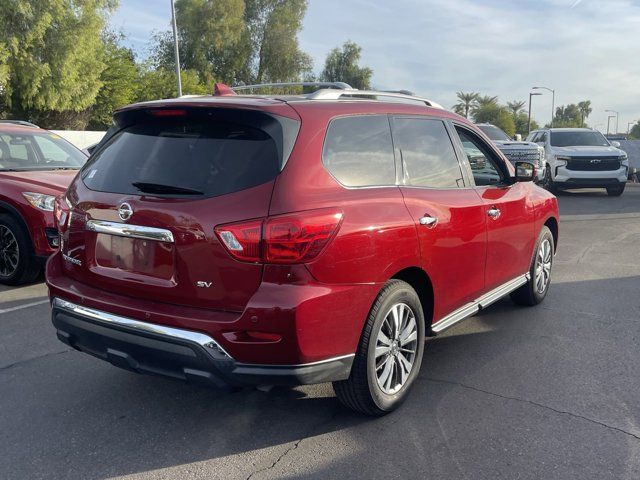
[{"x": 182, "y": 354}]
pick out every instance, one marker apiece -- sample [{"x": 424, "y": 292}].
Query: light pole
[
  {"x": 175, "y": 47},
  {"x": 617, "y": 118},
  {"x": 531, "y": 94},
  {"x": 608, "y": 121},
  {"x": 553, "y": 101}
]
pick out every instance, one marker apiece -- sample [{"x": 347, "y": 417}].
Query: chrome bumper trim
[
  {"x": 132, "y": 231},
  {"x": 109, "y": 318},
  {"x": 297, "y": 365}
]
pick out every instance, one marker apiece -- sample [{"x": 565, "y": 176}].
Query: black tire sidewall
[
  {"x": 402, "y": 294},
  {"x": 616, "y": 191},
  {"x": 24, "y": 250}
]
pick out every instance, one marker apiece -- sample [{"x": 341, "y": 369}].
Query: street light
[
  {"x": 175, "y": 47},
  {"x": 553, "y": 101},
  {"x": 609, "y": 120},
  {"x": 617, "y": 118},
  {"x": 531, "y": 94}
]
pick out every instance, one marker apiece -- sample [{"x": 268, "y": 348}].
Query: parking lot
[{"x": 526, "y": 393}]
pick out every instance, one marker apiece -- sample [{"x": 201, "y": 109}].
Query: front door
[
  {"x": 510, "y": 225},
  {"x": 448, "y": 215}
]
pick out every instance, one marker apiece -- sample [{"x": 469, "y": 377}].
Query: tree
[
  {"x": 522, "y": 123},
  {"x": 341, "y": 65},
  {"x": 155, "y": 83},
  {"x": 272, "y": 29},
  {"x": 55, "y": 58},
  {"x": 516, "y": 106},
  {"x": 568, "y": 116},
  {"x": 119, "y": 80},
  {"x": 635, "y": 131},
  {"x": 495, "y": 114},
  {"x": 211, "y": 34},
  {"x": 466, "y": 102},
  {"x": 585, "y": 109}
]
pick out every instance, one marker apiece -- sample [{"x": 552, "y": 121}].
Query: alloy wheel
[
  {"x": 396, "y": 347},
  {"x": 9, "y": 252},
  {"x": 543, "y": 266}
]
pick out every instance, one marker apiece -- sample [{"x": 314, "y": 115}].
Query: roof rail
[
  {"x": 329, "y": 94},
  {"x": 24, "y": 123},
  {"x": 325, "y": 85}
]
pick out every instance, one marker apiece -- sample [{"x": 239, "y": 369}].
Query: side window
[
  {"x": 543, "y": 138},
  {"x": 428, "y": 156},
  {"x": 358, "y": 151},
  {"x": 533, "y": 137},
  {"x": 481, "y": 159}
]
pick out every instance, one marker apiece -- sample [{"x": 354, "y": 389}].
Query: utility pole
[
  {"x": 175, "y": 46},
  {"x": 531, "y": 94},
  {"x": 553, "y": 101}
]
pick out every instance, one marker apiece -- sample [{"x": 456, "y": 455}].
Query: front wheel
[
  {"x": 17, "y": 265},
  {"x": 548, "y": 182},
  {"x": 389, "y": 355},
  {"x": 616, "y": 191},
  {"x": 535, "y": 290}
]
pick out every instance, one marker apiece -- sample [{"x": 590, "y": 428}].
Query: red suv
[
  {"x": 35, "y": 166},
  {"x": 298, "y": 239}
]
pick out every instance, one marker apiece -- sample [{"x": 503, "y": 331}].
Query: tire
[
  {"x": 530, "y": 293},
  {"x": 368, "y": 390},
  {"x": 17, "y": 265},
  {"x": 548, "y": 182},
  {"x": 616, "y": 191}
]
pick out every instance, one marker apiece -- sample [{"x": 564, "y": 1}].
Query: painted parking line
[{"x": 25, "y": 305}]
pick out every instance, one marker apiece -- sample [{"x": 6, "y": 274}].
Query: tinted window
[
  {"x": 428, "y": 156},
  {"x": 578, "y": 139},
  {"x": 494, "y": 133},
  {"x": 213, "y": 157},
  {"x": 481, "y": 159},
  {"x": 358, "y": 151}
]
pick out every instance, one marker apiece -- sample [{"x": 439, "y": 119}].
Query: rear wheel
[
  {"x": 17, "y": 265},
  {"x": 616, "y": 191},
  {"x": 534, "y": 291},
  {"x": 389, "y": 355}
]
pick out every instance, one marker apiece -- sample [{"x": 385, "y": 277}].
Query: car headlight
[
  {"x": 624, "y": 158},
  {"x": 40, "y": 200}
]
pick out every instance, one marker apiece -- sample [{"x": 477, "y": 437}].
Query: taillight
[
  {"x": 61, "y": 212},
  {"x": 292, "y": 238}
]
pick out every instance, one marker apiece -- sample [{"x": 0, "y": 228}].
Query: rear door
[
  {"x": 448, "y": 215},
  {"x": 145, "y": 206},
  {"x": 509, "y": 217}
]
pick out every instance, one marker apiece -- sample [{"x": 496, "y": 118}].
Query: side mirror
[
  {"x": 615, "y": 144},
  {"x": 525, "y": 172}
]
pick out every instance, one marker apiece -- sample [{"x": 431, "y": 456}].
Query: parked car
[
  {"x": 35, "y": 166},
  {"x": 514, "y": 150},
  {"x": 293, "y": 240},
  {"x": 582, "y": 158}
]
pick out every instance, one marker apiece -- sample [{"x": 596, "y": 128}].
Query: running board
[{"x": 484, "y": 301}]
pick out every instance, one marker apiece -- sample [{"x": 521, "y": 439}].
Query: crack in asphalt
[
  {"x": 27, "y": 360},
  {"x": 531, "y": 402},
  {"x": 296, "y": 444}
]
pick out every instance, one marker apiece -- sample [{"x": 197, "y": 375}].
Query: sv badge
[{"x": 204, "y": 284}]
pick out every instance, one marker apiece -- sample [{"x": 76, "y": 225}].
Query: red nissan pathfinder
[{"x": 293, "y": 239}]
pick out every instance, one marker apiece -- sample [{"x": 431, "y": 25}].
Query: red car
[
  {"x": 300, "y": 239},
  {"x": 35, "y": 166}
]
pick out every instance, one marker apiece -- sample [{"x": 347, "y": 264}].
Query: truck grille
[
  {"x": 528, "y": 155},
  {"x": 593, "y": 164}
]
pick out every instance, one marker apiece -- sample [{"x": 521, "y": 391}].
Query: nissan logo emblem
[{"x": 125, "y": 211}]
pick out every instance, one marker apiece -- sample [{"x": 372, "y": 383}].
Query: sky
[{"x": 583, "y": 49}]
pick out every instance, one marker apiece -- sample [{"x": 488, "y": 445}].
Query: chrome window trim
[
  {"x": 484, "y": 301},
  {"x": 112, "y": 319},
  {"x": 131, "y": 231}
]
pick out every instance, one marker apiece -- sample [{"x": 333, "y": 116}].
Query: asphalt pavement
[{"x": 550, "y": 392}]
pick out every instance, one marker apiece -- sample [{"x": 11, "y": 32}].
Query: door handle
[
  {"x": 428, "y": 221},
  {"x": 494, "y": 213}
]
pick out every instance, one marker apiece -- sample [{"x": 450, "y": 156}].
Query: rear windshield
[{"x": 186, "y": 156}]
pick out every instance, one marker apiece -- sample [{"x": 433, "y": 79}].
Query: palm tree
[
  {"x": 486, "y": 100},
  {"x": 585, "y": 109},
  {"x": 516, "y": 106},
  {"x": 466, "y": 103}
]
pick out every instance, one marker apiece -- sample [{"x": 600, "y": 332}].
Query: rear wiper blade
[{"x": 146, "y": 187}]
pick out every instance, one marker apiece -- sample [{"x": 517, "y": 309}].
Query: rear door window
[
  {"x": 358, "y": 151},
  {"x": 195, "y": 156},
  {"x": 428, "y": 156}
]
